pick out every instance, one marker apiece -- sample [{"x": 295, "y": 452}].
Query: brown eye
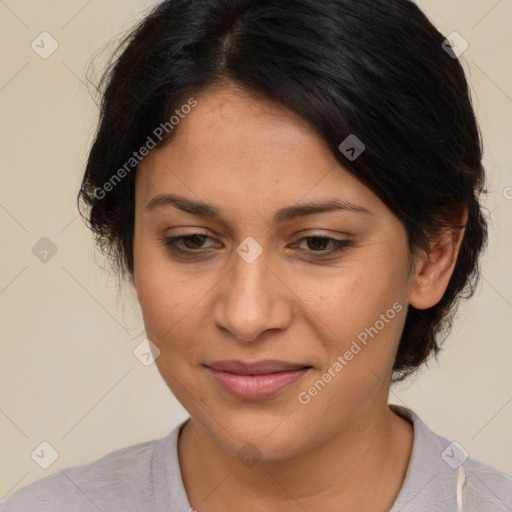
[
  {"x": 193, "y": 241},
  {"x": 187, "y": 244},
  {"x": 193, "y": 245},
  {"x": 321, "y": 244},
  {"x": 316, "y": 243}
]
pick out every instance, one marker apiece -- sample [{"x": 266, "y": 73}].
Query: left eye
[
  {"x": 315, "y": 243},
  {"x": 193, "y": 244}
]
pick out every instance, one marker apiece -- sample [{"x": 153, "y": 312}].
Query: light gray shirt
[{"x": 146, "y": 477}]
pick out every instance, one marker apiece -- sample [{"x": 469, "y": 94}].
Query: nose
[{"x": 252, "y": 299}]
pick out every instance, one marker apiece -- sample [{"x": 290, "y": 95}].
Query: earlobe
[{"x": 434, "y": 270}]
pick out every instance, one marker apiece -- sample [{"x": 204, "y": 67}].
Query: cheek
[
  {"x": 364, "y": 309},
  {"x": 365, "y": 314},
  {"x": 173, "y": 303},
  {"x": 172, "y": 314},
  {"x": 169, "y": 304},
  {"x": 355, "y": 299}
]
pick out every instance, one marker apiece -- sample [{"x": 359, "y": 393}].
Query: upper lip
[{"x": 256, "y": 368}]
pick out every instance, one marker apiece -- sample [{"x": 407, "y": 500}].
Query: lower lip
[{"x": 256, "y": 387}]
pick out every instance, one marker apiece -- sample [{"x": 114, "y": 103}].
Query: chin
[{"x": 261, "y": 436}]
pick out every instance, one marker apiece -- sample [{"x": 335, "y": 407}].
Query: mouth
[{"x": 256, "y": 381}]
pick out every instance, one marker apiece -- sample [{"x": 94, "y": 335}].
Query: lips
[{"x": 258, "y": 380}]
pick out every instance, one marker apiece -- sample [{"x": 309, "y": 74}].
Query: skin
[{"x": 345, "y": 449}]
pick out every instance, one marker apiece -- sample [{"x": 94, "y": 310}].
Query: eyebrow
[{"x": 283, "y": 215}]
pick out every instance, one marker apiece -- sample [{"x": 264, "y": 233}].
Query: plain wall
[{"x": 68, "y": 375}]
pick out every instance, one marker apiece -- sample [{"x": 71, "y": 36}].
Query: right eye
[{"x": 186, "y": 244}]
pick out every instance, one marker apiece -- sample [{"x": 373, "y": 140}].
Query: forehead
[
  {"x": 230, "y": 125},
  {"x": 236, "y": 147}
]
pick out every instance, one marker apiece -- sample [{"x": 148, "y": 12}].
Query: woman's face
[{"x": 255, "y": 285}]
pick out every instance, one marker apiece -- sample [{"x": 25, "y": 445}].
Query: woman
[{"x": 292, "y": 187}]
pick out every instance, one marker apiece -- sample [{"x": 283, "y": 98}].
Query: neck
[{"x": 360, "y": 467}]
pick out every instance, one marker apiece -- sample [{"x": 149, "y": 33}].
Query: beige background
[{"x": 68, "y": 375}]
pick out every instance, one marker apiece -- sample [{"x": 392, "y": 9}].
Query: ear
[{"x": 432, "y": 271}]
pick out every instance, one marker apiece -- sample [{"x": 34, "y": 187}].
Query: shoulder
[
  {"x": 443, "y": 475},
  {"x": 485, "y": 487},
  {"x": 121, "y": 476}
]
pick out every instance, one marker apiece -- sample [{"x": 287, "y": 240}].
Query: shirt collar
[{"x": 428, "y": 474}]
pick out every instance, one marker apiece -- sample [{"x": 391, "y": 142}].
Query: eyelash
[{"x": 170, "y": 243}]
